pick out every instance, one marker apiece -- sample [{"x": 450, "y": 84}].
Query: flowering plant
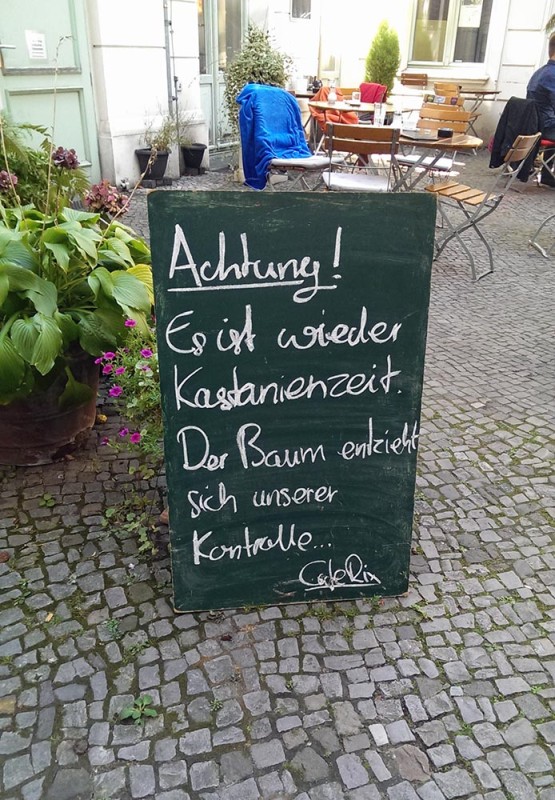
[
  {"x": 105, "y": 198},
  {"x": 135, "y": 383}
]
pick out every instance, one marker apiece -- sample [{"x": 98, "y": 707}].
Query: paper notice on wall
[
  {"x": 470, "y": 14},
  {"x": 36, "y": 45}
]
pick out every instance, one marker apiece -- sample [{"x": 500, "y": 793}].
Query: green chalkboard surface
[{"x": 291, "y": 333}]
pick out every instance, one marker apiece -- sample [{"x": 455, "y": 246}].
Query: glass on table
[
  {"x": 379, "y": 113},
  {"x": 355, "y": 97}
]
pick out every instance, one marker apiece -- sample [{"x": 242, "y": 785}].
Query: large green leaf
[
  {"x": 74, "y": 215},
  {"x": 95, "y": 337},
  {"x": 85, "y": 239},
  {"x": 15, "y": 250},
  {"x": 12, "y": 370},
  {"x": 101, "y": 279},
  {"x": 42, "y": 293},
  {"x": 68, "y": 327},
  {"x": 60, "y": 253},
  {"x": 75, "y": 393},
  {"x": 130, "y": 293},
  {"x": 48, "y": 344},
  {"x": 115, "y": 252},
  {"x": 144, "y": 273},
  {"x": 24, "y": 334},
  {"x": 4, "y": 287}
]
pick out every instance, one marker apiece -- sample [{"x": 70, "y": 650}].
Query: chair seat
[
  {"x": 310, "y": 162},
  {"x": 442, "y": 164},
  {"x": 458, "y": 191},
  {"x": 356, "y": 182}
]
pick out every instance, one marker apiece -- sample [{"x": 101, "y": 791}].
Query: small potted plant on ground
[
  {"x": 71, "y": 286},
  {"x": 192, "y": 152},
  {"x": 153, "y": 158}
]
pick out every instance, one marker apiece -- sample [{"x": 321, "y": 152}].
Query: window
[
  {"x": 451, "y": 31},
  {"x": 301, "y": 9}
]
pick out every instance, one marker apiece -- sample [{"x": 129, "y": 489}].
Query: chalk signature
[{"x": 324, "y": 575}]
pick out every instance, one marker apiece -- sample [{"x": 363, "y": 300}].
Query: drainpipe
[{"x": 169, "y": 79}]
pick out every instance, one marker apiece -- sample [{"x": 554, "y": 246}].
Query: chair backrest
[
  {"x": 346, "y": 91},
  {"x": 373, "y": 92},
  {"x": 433, "y": 116},
  {"x": 513, "y": 162},
  {"x": 448, "y": 92},
  {"x": 419, "y": 80},
  {"x": 362, "y": 139}
]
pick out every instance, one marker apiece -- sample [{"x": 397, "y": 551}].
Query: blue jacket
[
  {"x": 270, "y": 127},
  {"x": 541, "y": 89}
]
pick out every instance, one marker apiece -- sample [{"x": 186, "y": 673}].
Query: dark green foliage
[
  {"x": 382, "y": 62},
  {"x": 258, "y": 62}
]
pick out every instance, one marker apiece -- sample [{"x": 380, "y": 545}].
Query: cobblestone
[{"x": 445, "y": 693}]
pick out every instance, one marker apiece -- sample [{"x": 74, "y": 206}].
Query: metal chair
[
  {"x": 369, "y": 164},
  {"x": 535, "y": 243},
  {"x": 544, "y": 165},
  {"x": 463, "y": 209}
]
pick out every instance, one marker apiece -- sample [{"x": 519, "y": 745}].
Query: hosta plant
[{"x": 69, "y": 283}]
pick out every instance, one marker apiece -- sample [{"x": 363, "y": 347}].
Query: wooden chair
[
  {"x": 463, "y": 209},
  {"x": 369, "y": 164},
  {"x": 417, "y": 80},
  {"x": 450, "y": 93}
]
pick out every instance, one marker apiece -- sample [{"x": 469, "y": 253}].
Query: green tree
[
  {"x": 257, "y": 62},
  {"x": 384, "y": 57}
]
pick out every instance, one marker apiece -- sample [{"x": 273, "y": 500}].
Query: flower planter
[
  {"x": 36, "y": 431},
  {"x": 193, "y": 155},
  {"x": 157, "y": 169}
]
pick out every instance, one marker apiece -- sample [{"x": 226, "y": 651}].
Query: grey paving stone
[
  {"x": 204, "y": 775},
  {"x": 402, "y": 791},
  {"x": 172, "y": 773},
  {"x": 308, "y": 764},
  {"x": 70, "y": 784},
  {"x": 532, "y": 759},
  {"x": 455, "y": 782},
  {"x": 352, "y": 771},
  {"x": 246, "y": 790},
  {"x": 196, "y": 742},
  {"x": 267, "y": 754}
]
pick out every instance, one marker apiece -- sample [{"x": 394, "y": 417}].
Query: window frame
[
  {"x": 450, "y": 41},
  {"x": 301, "y": 18}
]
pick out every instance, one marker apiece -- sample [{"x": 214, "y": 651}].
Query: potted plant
[
  {"x": 153, "y": 158},
  {"x": 71, "y": 287},
  {"x": 257, "y": 62},
  {"x": 384, "y": 57},
  {"x": 192, "y": 152}
]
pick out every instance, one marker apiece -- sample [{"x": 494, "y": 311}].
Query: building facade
[{"x": 100, "y": 71}]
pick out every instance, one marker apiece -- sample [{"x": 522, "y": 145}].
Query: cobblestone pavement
[{"x": 447, "y": 692}]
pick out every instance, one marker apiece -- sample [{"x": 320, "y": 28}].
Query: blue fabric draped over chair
[{"x": 270, "y": 126}]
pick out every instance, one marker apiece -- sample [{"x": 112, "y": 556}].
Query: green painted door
[{"x": 46, "y": 76}]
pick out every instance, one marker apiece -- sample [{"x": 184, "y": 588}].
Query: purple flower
[
  {"x": 146, "y": 353},
  {"x": 123, "y": 432},
  {"x": 130, "y": 323},
  {"x": 106, "y": 369},
  {"x": 115, "y": 391},
  {"x": 98, "y": 360},
  {"x": 109, "y": 356},
  {"x": 135, "y": 438},
  {"x": 120, "y": 370},
  {"x": 104, "y": 441},
  {"x": 7, "y": 180},
  {"x": 65, "y": 158}
]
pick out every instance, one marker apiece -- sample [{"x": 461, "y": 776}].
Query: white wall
[{"x": 130, "y": 74}]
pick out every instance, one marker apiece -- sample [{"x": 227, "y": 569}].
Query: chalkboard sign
[{"x": 291, "y": 334}]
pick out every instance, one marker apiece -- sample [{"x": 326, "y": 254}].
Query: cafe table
[
  {"x": 343, "y": 105},
  {"x": 426, "y": 160},
  {"x": 476, "y": 97}
]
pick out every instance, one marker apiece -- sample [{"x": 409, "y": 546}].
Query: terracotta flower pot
[{"x": 37, "y": 431}]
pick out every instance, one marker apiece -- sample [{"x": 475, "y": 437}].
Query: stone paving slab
[{"x": 447, "y": 692}]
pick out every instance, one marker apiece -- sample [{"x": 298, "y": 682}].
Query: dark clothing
[
  {"x": 541, "y": 89},
  {"x": 519, "y": 118}
]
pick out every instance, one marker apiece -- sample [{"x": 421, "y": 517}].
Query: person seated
[{"x": 541, "y": 89}]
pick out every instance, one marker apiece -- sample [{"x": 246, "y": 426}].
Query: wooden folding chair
[
  {"x": 463, "y": 209},
  {"x": 369, "y": 164},
  {"x": 432, "y": 117}
]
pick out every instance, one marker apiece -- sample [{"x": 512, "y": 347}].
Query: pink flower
[
  {"x": 104, "y": 441},
  {"x": 123, "y": 432},
  {"x": 98, "y": 360},
  {"x": 109, "y": 356},
  {"x": 146, "y": 353},
  {"x": 107, "y": 369},
  {"x": 120, "y": 370},
  {"x": 130, "y": 323},
  {"x": 135, "y": 438},
  {"x": 115, "y": 391}
]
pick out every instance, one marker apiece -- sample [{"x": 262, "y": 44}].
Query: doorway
[{"x": 221, "y": 25}]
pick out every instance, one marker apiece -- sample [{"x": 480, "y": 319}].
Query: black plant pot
[
  {"x": 193, "y": 155},
  {"x": 157, "y": 169}
]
